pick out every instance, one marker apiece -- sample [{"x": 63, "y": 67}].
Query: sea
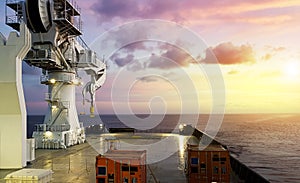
[{"x": 267, "y": 143}]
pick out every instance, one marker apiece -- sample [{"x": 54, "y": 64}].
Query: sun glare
[{"x": 291, "y": 69}]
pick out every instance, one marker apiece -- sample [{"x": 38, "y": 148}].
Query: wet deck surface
[{"x": 77, "y": 163}]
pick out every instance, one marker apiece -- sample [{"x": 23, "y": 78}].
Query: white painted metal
[
  {"x": 61, "y": 127},
  {"x": 55, "y": 49},
  {"x": 30, "y": 154},
  {"x": 12, "y": 105},
  {"x": 59, "y": 53}
]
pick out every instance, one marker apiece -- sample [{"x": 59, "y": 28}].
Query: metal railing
[
  {"x": 63, "y": 78},
  {"x": 52, "y": 128},
  {"x": 74, "y": 4},
  {"x": 12, "y": 1},
  {"x": 82, "y": 43},
  {"x": 67, "y": 16},
  {"x": 10, "y": 19},
  {"x": 13, "y": 13},
  {"x": 48, "y": 96}
]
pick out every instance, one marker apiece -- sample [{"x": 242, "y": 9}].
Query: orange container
[
  {"x": 121, "y": 166},
  {"x": 211, "y": 164}
]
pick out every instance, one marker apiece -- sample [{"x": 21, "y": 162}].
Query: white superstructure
[{"x": 12, "y": 106}]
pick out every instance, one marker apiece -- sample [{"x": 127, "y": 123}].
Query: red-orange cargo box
[
  {"x": 211, "y": 164},
  {"x": 121, "y": 166}
]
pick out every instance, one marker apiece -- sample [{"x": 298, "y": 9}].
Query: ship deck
[{"x": 77, "y": 163}]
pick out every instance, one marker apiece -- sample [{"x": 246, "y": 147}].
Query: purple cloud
[
  {"x": 169, "y": 58},
  {"x": 107, "y": 10},
  {"x": 122, "y": 61},
  {"x": 177, "y": 10},
  {"x": 148, "y": 79}
]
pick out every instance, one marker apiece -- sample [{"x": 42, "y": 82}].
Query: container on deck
[
  {"x": 121, "y": 166},
  {"x": 29, "y": 176},
  {"x": 207, "y": 164}
]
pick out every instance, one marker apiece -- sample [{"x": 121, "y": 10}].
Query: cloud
[
  {"x": 265, "y": 12},
  {"x": 278, "y": 49},
  {"x": 136, "y": 66},
  {"x": 177, "y": 55},
  {"x": 170, "y": 58},
  {"x": 108, "y": 10},
  {"x": 153, "y": 55},
  {"x": 275, "y": 49},
  {"x": 267, "y": 56},
  {"x": 122, "y": 61},
  {"x": 202, "y": 12},
  {"x": 140, "y": 45},
  {"x": 267, "y": 20},
  {"x": 128, "y": 60},
  {"x": 271, "y": 52},
  {"x": 227, "y": 53},
  {"x": 148, "y": 79}
]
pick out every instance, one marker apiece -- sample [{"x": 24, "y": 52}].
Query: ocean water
[{"x": 268, "y": 143}]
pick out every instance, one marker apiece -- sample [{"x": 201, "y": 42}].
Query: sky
[{"x": 179, "y": 56}]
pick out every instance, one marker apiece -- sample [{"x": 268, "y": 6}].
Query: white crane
[{"x": 57, "y": 48}]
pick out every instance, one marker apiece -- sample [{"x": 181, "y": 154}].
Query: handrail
[
  {"x": 54, "y": 128},
  {"x": 11, "y": 1},
  {"x": 82, "y": 43}
]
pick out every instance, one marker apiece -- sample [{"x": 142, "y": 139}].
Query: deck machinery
[{"x": 57, "y": 48}]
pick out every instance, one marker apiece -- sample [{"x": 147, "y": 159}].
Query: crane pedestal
[{"x": 61, "y": 127}]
